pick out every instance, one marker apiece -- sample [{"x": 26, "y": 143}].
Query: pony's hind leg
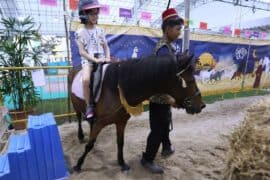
[
  {"x": 80, "y": 130},
  {"x": 120, "y": 130},
  {"x": 88, "y": 147}
]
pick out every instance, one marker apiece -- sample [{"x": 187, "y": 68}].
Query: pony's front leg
[
  {"x": 88, "y": 147},
  {"x": 120, "y": 128}
]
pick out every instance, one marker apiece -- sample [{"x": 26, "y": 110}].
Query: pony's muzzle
[
  {"x": 203, "y": 106},
  {"x": 195, "y": 109}
]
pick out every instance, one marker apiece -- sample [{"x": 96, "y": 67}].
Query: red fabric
[
  {"x": 237, "y": 32},
  {"x": 171, "y": 12},
  {"x": 203, "y": 25},
  {"x": 73, "y": 4}
]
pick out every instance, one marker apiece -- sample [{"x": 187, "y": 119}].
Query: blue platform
[
  {"x": 35, "y": 155},
  {"x": 4, "y": 167}
]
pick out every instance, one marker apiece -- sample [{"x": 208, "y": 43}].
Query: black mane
[{"x": 142, "y": 77}]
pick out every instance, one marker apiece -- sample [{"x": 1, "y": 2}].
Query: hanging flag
[
  {"x": 227, "y": 30},
  {"x": 268, "y": 36},
  {"x": 255, "y": 34},
  {"x": 48, "y": 2},
  {"x": 190, "y": 22},
  {"x": 263, "y": 35},
  {"x": 237, "y": 32},
  {"x": 203, "y": 25},
  {"x": 125, "y": 13},
  {"x": 247, "y": 33},
  {"x": 146, "y": 16},
  {"x": 105, "y": 10},
  {"x": 73, "y": 4}
]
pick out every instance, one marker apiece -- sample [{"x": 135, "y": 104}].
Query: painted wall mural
[{"x": 222, "y": 67}]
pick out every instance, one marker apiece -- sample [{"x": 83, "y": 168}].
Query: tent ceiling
[{"x": 51, "y": 18}]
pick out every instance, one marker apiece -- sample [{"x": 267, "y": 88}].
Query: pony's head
[{"x": 186, "y": 92}]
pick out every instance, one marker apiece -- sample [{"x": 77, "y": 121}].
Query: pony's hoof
[
  {"x": 77, "y": 169},
  {"x": 125, "y": 167},
  {"x": 82, "y": 141}
]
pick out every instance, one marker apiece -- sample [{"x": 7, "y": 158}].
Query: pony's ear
[
  {"x": 197, "y": 64},
  {"x": 184, "y": 60}
]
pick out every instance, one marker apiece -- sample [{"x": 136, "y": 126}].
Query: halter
[{"x": 187, "y": 102}]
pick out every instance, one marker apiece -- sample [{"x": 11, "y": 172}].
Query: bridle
[{"x": 187, "y": 102}]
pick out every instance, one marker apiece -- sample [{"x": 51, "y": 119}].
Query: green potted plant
[{"x": 16, "y": 85}]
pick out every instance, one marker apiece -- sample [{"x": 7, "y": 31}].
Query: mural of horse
[
  {"x": 265, "y": 61},
  {"x": 138, "y": 79},
  {"x": 215, "y": 76},
  {"x": 237, "y": 75}
]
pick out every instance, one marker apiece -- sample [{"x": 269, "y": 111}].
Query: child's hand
[{"x": 107, "y": 59}]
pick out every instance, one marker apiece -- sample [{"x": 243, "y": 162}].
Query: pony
[{"x": 135, "y": 81}]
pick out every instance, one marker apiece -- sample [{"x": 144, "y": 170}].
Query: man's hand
[{"x": 168, "y": 99}]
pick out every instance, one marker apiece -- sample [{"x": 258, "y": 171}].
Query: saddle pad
[{"x": 77, "y": 86}]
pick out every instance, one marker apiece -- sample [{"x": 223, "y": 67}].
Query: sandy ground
[{"x": 201, "y": 143}]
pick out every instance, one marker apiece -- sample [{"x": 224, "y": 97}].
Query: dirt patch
[{"x": 201, "y": 143}]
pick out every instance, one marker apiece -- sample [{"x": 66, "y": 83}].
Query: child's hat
[
  {"x": 88, "y": 4},
  {"x": 170, "y": 13}
]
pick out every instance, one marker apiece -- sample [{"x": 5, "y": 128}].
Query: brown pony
[{"x": 138, "y": 80}]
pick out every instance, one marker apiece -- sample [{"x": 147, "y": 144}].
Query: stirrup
[{"x": 89, "y": 113}]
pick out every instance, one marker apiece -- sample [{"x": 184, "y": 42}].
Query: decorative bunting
[
  {"x": 190, "y": 22},
  {"x": 268, "y": 36},
  {"x": 125, "y": 13},
  {"x": 227, "y": 30},
  {"x": 146, "y": 16},
  {"x": 255, "y": 34},
  {"x": 237, "y": 32},
  {"x": 247, "y": 33},
  {"x": 105, "y": 10},
  {"x": 203, "y": 25},
  {"x": 73, "y": 4},
  {"x": 48, "y": 2},
  {"x": 186, "y": 22},
  {"x": 263, "y": 35}
]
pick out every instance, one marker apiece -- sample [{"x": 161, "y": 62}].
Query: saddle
[{"x": 97, "y": 76}]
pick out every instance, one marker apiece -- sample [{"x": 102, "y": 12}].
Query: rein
[{"x": 187, "y": 102}]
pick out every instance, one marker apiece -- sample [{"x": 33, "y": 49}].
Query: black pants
[{"x": 160, "y": 119}]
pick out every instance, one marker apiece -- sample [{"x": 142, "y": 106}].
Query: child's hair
[
  {"x": 171, "y": 22},
  {"x": 84, "y": 16}
]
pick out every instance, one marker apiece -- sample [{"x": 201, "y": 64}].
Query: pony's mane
[
  {"x": 135, "y": 76},
  {"x": 146, "y": 69}
]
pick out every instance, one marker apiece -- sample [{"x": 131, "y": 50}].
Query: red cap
[{"x": 171, "y": 12}]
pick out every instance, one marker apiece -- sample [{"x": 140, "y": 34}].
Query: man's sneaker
[
  {"x": 89, "y": 113},
  {"x": 152, "y": 167},
  {"x": 166, "y": 152}
]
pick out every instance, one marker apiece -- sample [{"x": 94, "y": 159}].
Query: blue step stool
[
  {"x": 45, "y": 140},
  {"x": 22, "y": 162},
  {"x": 36, "y": 154},
  {"x": 4, "y": 167}
]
